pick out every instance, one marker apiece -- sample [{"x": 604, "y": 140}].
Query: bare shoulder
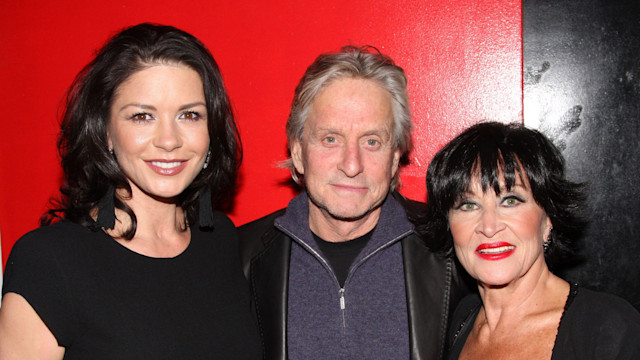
[{"x": 23, "y": 335}]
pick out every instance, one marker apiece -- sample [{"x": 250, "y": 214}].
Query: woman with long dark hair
[{"x": 135, "y": 262}]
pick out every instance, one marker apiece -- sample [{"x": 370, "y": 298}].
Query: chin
[
  {"x": 346, "y": 212},
  {"x": 347, "y": 216},
  {"x": 165, "y": 194},
  {"x": 355, "y": 211},
  {"x": 495, "y": 281}
]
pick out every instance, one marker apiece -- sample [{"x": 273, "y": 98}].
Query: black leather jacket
[{"x": 433, "y": 286}]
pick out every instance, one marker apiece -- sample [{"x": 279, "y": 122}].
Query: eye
[
  {"x": 330, "y": 140},
  {"x": 466, "y": 205},
  {"x": 469, "y": 206},
  {"x": 373, "y": 142},
  {"x": 511, "y": 201},
  {"x": 141, "y": 117},
  {"x": 191, "y": 115}
]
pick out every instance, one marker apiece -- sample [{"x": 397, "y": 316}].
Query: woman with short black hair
[{"x": 498, "y": 196}]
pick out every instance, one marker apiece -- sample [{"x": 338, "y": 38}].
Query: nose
[
  {"x": 167, "y": 136},
  {"x": 351, "y": 164},
  {"x": 490, "y": 223}
]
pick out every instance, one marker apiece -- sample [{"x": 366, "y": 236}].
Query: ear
[
  {"x": 396, "y": 162},
  {"x": 547, "y": 227},
  {"x": 108, "y": 133},
  {"x": 297, "y": 157}
]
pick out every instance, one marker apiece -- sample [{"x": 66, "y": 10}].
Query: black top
[
  {"x": 594, "y": 326},
  {"x": 341, "y": 255},
  {"x": 104, "y": 301}
]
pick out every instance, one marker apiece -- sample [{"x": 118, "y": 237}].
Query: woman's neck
[
  {"x": 538, "y": 291},
  {"x": 161, "y": 228}
]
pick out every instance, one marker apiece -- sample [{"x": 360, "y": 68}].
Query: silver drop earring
[{"x": 206, "y": 160}]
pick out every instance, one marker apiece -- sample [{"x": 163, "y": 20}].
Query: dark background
[{"x": 581, "y": 88}]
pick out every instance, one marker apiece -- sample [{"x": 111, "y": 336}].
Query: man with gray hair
[{"x": 340, "y": 273}]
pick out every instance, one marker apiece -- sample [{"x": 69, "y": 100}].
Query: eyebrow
[
  {"x": 192, "y": 105},
  {"x": 377, "y": 132},
  {"x": 151, "y": 107}
]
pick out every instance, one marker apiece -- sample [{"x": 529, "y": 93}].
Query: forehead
[
  {"x": 172, "y": 80},
  {"x": 351, "y": 104}
]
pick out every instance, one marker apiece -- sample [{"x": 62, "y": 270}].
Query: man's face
[{"x": 347, "y": 155}]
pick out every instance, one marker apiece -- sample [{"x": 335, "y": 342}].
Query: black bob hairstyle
[
  {"x": 90, "y": 170},
  {"x": 494, "y": 152}
]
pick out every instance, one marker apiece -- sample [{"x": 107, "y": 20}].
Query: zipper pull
[{"x": 342, "y": 305}]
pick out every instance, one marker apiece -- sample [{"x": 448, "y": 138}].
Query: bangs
[
  {"x": 498, "y": 170},
  {"x": 494, "y": 154}
]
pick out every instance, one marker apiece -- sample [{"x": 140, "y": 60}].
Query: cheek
[
  {"x": 462, "y": 233},
  {"x": 124, "y": 145},
  {"x": 319, "y": 161},
  {"x": 532, "y": 227},
  {"x": 126, "y": 139},
  {"x": 460, "y": 254},
  {"x": 460, "y": 241},
  {"x": 459, "y": 230},
  {"x": 202, "y": 144},
  {"x": 198, "y": 138},
  {"x": 464, "y": 255},
  {"x": 381, "y": 165}
]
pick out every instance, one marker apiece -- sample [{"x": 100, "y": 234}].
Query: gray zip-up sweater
[
  {"x": 432, "y": 284},
  {"x": 367, "y": 319}
]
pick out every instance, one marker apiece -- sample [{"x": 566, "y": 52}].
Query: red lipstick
[{"x": 495, "y": 250}]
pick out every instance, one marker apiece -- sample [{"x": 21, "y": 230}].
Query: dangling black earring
[
  {"x": 205, "y": 208},
  {"x": 107, "y": 209}
]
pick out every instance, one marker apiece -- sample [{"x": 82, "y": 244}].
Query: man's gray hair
[{"x": 365, "y": 62}]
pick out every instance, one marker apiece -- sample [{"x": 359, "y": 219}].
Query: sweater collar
[{"x": 392, "y": 225}]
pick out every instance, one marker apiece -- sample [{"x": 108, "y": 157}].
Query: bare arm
[{"x": 23, "y": 335}]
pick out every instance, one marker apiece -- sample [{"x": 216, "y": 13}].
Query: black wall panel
[{"x": 582, "y": 88}]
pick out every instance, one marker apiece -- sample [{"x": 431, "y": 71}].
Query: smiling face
[
  {"x": 158, "y": 129},
  {"x": 347, "y": 155},
  {"x": 498, "y": 238}
]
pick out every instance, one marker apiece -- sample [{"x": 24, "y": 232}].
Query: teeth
[
  {"x": 166, "y": 165},
  {"x": 497, "y": 250}
]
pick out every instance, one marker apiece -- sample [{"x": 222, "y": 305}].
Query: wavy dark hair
[
  {"x": 495, "y": 152},
  {"x": 90, "y": 170}
]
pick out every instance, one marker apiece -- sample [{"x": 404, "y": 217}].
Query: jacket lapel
[
  {"x": 270, "y": 279},
  {"x": 426, "y": 285}
]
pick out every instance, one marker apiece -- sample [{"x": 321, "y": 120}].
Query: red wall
[{"x": 463, "y": 59}]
